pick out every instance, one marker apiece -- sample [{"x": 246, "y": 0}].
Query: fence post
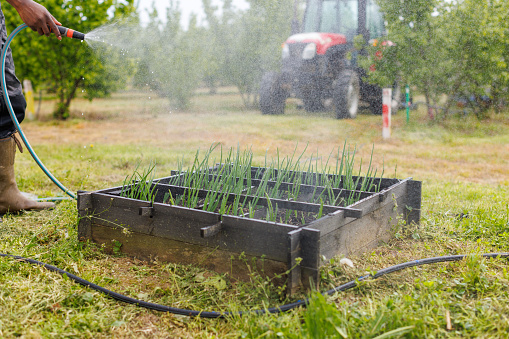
[
  {"x": 29, "y": 97},
  {"x": 407, "y": 97},
  {"x": 386, "y": 112}
]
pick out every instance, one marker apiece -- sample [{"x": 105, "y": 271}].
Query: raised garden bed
[{"x": 290, "y": 232}]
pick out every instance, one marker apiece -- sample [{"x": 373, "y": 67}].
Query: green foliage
[
  {"x": 249, "y": 43},
  {"x": 417, "y": 56},
  {"x": 171, "y": 59},
  {"x": 323, "y": 319},
  {"x": 67, "y": 66},
  {"x": 477, "y": 44},
  {"x": 217, "y": 42},
  {"x": 454, "y": 48}
]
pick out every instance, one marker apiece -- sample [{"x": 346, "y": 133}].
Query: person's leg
[
  {"x": 11, "y": 199},
  {"x": 14, "y": 89}
]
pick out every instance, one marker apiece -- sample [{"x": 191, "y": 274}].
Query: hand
[{"x": 37, "y": 17}]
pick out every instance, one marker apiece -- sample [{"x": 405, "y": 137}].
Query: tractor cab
[{"x": 319, "y": 63}]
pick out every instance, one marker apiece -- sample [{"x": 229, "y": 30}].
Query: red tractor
[{"x": 319, "y": 64}]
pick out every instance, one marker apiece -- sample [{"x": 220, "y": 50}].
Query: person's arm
[{"x": 37, "y": 17}]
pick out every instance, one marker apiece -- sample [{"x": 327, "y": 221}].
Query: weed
[{"x": 117, "y": 245}]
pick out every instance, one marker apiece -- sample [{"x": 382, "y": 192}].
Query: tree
[
  {"x": 67, "y": 66},
  {"x": 417, "y": 57},
  {"x": 457, "y": 48},
  {"x": 217, "y": 45},
  {"x": 478, "y": 45},
  {"x": 171, "y": 61},
  {"x": 250, "y": 42}
]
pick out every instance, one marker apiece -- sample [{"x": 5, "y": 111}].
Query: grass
[{"x": 462, "y": 162}]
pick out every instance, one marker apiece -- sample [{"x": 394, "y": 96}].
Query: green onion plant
[{"x": 223, "y": 180}]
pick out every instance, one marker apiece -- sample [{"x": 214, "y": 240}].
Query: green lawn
[{"x": 462, "y": 162}]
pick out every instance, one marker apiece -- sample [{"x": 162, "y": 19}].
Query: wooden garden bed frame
[{"x": 239, "y": 245}]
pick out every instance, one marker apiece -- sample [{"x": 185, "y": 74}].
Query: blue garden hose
[{"x": 15, "y": 119}]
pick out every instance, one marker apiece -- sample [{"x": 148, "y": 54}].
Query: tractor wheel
[
  {"x": 346, "y": 94},
  {"x": 376, "y": 103},
  {"x": 272, "y": 94}
]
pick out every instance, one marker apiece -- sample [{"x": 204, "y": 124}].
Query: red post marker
[{"x": 386, "y": 112}]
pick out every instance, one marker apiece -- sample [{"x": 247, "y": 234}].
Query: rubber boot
[{"x": 11, "y": 199}]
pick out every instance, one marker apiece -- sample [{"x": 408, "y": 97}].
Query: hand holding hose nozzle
[{"x": 70, "y": 33}]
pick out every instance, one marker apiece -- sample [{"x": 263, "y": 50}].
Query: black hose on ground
[{"x": 277, "y": 309}]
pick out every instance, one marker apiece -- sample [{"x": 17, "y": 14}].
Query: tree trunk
[
  {"x": 428, "y": 103},
  {"x": 62, "y": 110}
]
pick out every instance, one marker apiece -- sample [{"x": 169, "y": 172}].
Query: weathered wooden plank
[
  {"x": 123, "y": 212},
  {"x": 360, "y": 235},
  {"x": 255, "y": 237},
  {"x": 310, "y": 278},
  {"x": 329, "y": 222},
  {"x": 119, "y": 212},
  {"x": 336, "y": 220},
  {"x": 85, "y": 206},
  {"x": 294, "y": 250},
  {"x": 110, "y": 190},
  {"x": 147, "y": 247},
  {"x": 183, "y": 224},
  {"x": 414, "y": 194},
  {"x": 370, "y": 204},
  {"x": 209, "y": 231},
  {"x": 310, "y": 247}
]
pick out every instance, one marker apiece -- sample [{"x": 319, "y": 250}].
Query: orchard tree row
[
  {"x": 457, "y": 50},
  {"x": 231, "y": 47},
  {"x": 452, "y": 49}
]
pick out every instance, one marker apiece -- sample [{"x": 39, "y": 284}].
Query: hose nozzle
[{"x": 70, "y": 33}]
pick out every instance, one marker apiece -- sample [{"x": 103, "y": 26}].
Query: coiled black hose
[{"x": 277, "y": 309}]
